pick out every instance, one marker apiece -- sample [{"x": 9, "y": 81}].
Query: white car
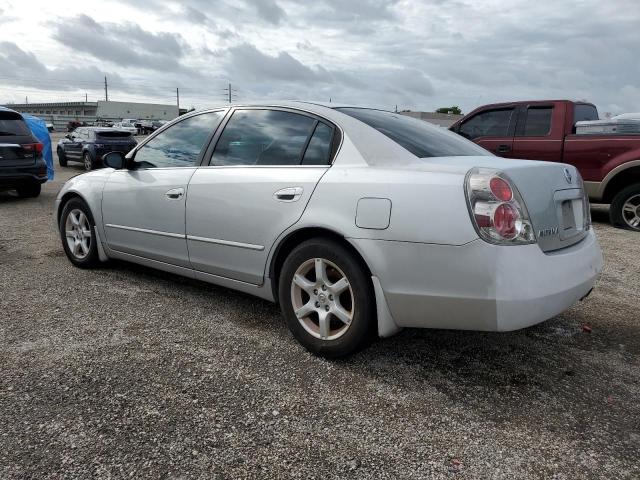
[
  {"x": 127, "y": 127},
  {"x": 357, "y": 221}
]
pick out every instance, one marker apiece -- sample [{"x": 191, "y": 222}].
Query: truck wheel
[
  {"x": 29, "y": 191},
  {"x": 62, "y": 158},
  {"x": 625, "y": 208},
  {"x": 88, "y": 162},
  {"x": 327, "y": 299}
]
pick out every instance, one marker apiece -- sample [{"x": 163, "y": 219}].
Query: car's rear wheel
[
  {"x": 87, "y": 161},
  {"x": 326, "y": 298},
  {"x": 77, "y": 231},
  {"x": 62, "y": 158},
  {"x": 29, "y": 191},
  {"x": 625, "y": 208}
]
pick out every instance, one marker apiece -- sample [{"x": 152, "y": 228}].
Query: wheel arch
[
  {"x": 295, "y": 238},
  {"x": 620, "y": 180},
  {"x": 65, "y": 199}
]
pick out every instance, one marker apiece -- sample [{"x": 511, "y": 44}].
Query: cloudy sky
[{"x": 417, "y": 54}]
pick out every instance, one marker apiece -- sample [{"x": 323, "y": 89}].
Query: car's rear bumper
[
  {"x": 479, "y": 286},
  {"x": 11, "y": 177}
]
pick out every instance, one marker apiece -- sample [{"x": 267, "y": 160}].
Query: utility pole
[
  {"x": 106, "y": 90},
  {"x": 178, "y": 99},
  {"x": 85, "y": 98},
  {"x": 229, "y": 92},
  {"x": 26, "y": 99}
]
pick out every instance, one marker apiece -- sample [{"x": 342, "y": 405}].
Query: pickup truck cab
[{"x": 545, "y": 130}]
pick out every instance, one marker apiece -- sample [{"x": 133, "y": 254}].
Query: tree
[{"x": 454, "y": 110}]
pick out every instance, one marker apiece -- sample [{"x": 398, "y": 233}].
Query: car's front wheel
[
  {"x": 77, "y": 231},
  {"x": 62, "y": 158},
  {"x": 625, "y": 208},
  {"x": 326, "y": 298}
]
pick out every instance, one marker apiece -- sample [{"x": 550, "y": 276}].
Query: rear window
[
  {"x": 12, "y": 124},
  {"x": 537, "y": 122},
  {"x": 417, "y": 136},
  {"x": 584, "y": 112},
  {"x": 113, "y": 134}
]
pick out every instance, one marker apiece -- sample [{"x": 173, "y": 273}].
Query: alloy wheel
[
  {"x": 322, "y": 299},
  {"x": 78, "y": 233},
  {"x": 631, "y": 212},
  {"x": 87, "y": 162}
]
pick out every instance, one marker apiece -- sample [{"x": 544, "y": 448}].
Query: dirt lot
[{"x": 128, "y": 372}]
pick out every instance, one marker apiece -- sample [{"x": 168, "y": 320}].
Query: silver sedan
[{"x": 357, "y": 221}]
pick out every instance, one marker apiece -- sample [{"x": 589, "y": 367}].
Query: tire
[
  {"x": 355, "y": 302},
  {"x": 29, "y": 191},
  {"x": 87, "y": 161},
  {"x": 625, "y": 208},
  {"x": 85, "y": 256},
  {"x": 62, "y": 158}
]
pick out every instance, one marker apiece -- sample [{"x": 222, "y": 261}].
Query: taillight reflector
[{"x": 504, "y": 220}]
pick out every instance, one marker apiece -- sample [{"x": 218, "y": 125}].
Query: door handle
[
  {"x": 503, "y": 148},
  {"x": 175, "y": 193},
  {"x": 290, "y": 194}
]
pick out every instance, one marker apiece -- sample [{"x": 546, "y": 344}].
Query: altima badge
[
  {"x": 547, "y": 232},
  {"x": 567, "y": 175}
]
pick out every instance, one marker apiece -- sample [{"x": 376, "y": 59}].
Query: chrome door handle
[
  {"x": 290, "y": 194},
  {"x": 175, "y": 193}
]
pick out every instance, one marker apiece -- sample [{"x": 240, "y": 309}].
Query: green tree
[{"x": 454, "y": 110}]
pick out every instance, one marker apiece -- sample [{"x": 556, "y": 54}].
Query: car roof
[{"x": 5, "y": 109}]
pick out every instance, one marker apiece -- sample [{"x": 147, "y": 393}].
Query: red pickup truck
[{"x": 545, "y": 130}]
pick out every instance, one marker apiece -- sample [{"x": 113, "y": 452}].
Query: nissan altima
[{"x": 357, "y": 221}]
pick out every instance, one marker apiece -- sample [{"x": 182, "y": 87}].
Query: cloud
[{"x": 125, "y": 44}]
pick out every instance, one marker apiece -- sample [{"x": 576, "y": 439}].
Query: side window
[
  {"x": 319, "y": 148},
  {"x": 491, "y": 123},
  {"x": 263, "y": 137},
  {"x": 583, "y": 112},
  {"x": 180, "y": 144},
  {"x": 537, "y": 121}
]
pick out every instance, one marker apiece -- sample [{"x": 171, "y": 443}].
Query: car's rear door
[
  {"x": 540, "y": 132},
  {"x": 143, "y": 207},
  {"x": 492, "y": 129},
  {"x": 263, "y": 169}
]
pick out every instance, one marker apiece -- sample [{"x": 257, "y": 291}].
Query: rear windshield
[
  {"x": 12, "y": 124},
  {"x": 114, "y": 134},
  {"x": 419, "y": 137}
]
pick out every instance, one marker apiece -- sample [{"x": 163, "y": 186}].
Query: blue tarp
[{"x": 39, "y": 129}]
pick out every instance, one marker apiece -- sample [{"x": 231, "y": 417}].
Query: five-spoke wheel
[{"x": 77, "y": 232}]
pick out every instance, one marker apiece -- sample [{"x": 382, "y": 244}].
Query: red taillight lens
[
  {"x": 504, "y": 220},
  {"x": 501, "y": 189},
  {"x": 33, "y": 147},
  {"x": 39, "y": 147}
]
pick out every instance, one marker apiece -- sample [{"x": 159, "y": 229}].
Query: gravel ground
[{"x": 129, "y": 372}]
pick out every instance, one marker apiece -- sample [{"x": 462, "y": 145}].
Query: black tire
[
  {"x": 29, "y": 191},
  {"x": 88, "y": 161},
  {"x": 62, "y": 158},
  {"x": 361, "y": 330},
  {"x": 91, "y": 259},
  {"x": 618, "y": 216}
]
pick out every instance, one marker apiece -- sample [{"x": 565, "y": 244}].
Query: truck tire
[
  {"x": 62, "y": 158},
  {"x": 625, "y": 208}
]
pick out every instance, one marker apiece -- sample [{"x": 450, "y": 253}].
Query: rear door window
[
  {"x": 490, "y": 123},
  {"x": 537, "y": 121},
  {"x": 12, "y": 125},
  {"x": 263, "y": 137},
  {"x": 584, "y": 112}
]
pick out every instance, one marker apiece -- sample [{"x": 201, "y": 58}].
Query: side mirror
[
  {"x": 69, "y": 136},
  {"x": 114, "y": 160}
]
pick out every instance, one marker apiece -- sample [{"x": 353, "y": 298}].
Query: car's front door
[
  {"x": 492, "y": 129},
  {"x": 73, "y": 147},
  {"x": 263, "y": 170},
  {"x": 143, "y": 206}
]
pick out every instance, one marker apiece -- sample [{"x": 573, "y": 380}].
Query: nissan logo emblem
[{"x": 567, "y": 175}]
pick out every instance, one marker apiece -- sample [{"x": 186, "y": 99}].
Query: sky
[{"x": 417, "y": 55}]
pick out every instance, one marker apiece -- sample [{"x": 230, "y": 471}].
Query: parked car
[
  {"x": 128, "y": 127},
  {"x": 89, "y": 144},
  {"x": 22, "y": 166},
  {"x": 546, "y": 130},
  {"x": 357, "y": 221}
]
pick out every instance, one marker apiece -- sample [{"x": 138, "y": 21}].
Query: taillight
[
  {"x": 497, "y": 209},
  {"x": 33, "y": 147}
]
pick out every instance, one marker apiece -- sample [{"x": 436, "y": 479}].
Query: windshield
[
  {"x": 419, "y": 137},
  {"x": 12, "y": 124}
]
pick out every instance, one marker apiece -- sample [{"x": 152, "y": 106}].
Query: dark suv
[
  {"x": 22, "y": 166},
  {"x": 89, "y": 144}
]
